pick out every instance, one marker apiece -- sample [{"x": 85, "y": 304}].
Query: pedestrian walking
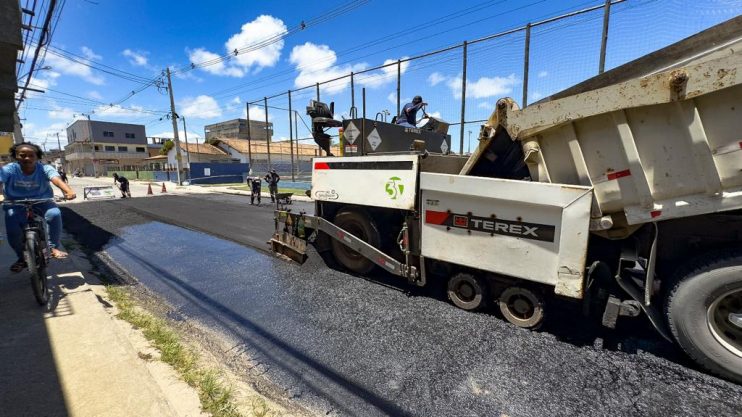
[{"x": 272, "y": 179}]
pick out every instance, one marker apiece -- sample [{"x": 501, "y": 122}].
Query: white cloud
[
  {"x": 61, "y": 113},
  {"x": 265, "y": 31},
  {"x": 392, "y": 97},
  {"x": 46, "y": 133},
  {"x": 201, "y": 55},
  {"x": 95, "y": 95},
  {"x": 138, "y": 59},
  {"x": 386, "y": 75},
  {"x": 257, "y": 113},
  {"x": 534, "y": 96},
  {"x": 118, "y": 111},
  {"x": 436, "y": 78},
  {"x": 484, "y": 87},
  {"x": 542, "y": 74},
  {"x": 486, "y": 105},
  {"x": 41, "y": 81},
  {"x": 263, "y": 28},
  {"x": 436, "y": 114},
  {"x": 233, "y": 105},
  {"x": 316, "y": 63},
  {"x": 77, "y": 69},
  {"x": 236, "y": 100},
  {"x": 201, "y": 107}
]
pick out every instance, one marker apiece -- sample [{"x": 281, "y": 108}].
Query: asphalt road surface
[{"x": 344, "y": 345}]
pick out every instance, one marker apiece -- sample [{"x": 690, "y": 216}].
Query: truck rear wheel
[
  {"x": 467, "y": 291},
  {"x": 704, "y": 312},
  {"x": 359, "y": 224}
]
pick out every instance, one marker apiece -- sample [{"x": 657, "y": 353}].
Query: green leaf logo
[{"x": 394, "y": 188}]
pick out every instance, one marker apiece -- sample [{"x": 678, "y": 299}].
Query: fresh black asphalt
[{"x": 344, "y": 345}]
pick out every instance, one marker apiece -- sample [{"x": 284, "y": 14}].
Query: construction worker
[
  {"x": 272, "y": 179},
  {"x": 124, "y": 187},
  {"x": 255, "y": 184},
  {"x": 408, "y": 116}
]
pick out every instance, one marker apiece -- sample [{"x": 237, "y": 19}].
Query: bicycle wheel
[{"x": 37, "y": 267}]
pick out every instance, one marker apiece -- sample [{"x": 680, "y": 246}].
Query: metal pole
[
  {"x": 59, "y": 145},
  {"x": 296, "y": 129},
  {"x": 188, "y": 150},
  {"x": 317, "y": 91},
  {"x": 291, "y": 138},
  {"x": 92, "y": 142},
  {"x": 363, "y": 122},
  {"x": 399, "y": 83},
  {"x": 267, "y": 136},
  {"x": 527, "y": 53},
  {"x": 352, "y": 92},
  {"x": 249, "y": 136},
  {"x": 604, "y": 39},
  {"x": 463, "y": 102},
  {"x": 174, "y": 116}
]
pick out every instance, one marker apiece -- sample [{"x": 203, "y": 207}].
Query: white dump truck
[{"x": 623, "y": 193}]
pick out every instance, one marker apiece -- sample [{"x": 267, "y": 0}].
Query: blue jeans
[{"x": 15, "y": 219}]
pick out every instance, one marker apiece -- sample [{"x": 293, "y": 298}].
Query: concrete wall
[{"x": 79, "y": 131}]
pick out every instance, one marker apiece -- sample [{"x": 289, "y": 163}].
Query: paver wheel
[
  {"x": 467, "y": 291},
  {"x": 359, "y": 224}
]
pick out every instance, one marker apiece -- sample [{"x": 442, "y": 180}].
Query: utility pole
[
  {"x": 59, "y": 145},
  {"x": 92, "y": 142},
  {"x": 188, "y": 150},
  {"x": 174, "y": 116}
]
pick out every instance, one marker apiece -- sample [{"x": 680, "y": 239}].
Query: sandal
[{"x": 18, "y": 266}]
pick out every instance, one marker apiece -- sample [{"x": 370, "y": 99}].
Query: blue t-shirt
[
  {"x": 17, "y": 186},
  {"x": 409, "y": 113}
]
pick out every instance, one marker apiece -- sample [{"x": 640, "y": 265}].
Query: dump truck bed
[{"x": 653, "y": 147}]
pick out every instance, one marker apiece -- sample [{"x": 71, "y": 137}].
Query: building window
[
  {"x": 97, "y": 148},
  {"x": 123, "y": 149},
  {"x": 107, "y": 134},
  {"x": 130, "y": 135},
  {"x": 141, "y": 149},
  {"x": 110, "y": 149}
]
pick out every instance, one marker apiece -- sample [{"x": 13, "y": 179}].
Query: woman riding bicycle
[{"x": 27, "y": 178}]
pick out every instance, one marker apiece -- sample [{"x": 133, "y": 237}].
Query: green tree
[{"x": 166, "y": 147}]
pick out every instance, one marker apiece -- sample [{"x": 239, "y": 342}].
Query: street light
[{"x": 36, "y": 70}]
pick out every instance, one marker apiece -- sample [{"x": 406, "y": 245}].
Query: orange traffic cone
[
  {"x": 164, "y": 190},
  {"x": 149, "y": 189}
]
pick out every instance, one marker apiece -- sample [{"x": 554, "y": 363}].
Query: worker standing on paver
[
  {"x": 255, "y": 184},
  {"x": 124, "y": 187},
  {"x": 408, "y": 116},
  {"x": 272, "y": 179}
]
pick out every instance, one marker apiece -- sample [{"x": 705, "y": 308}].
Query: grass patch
[{"x": 215, "y": 397}]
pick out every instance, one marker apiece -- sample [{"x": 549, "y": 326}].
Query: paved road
[{"x": 344, "y": 345}]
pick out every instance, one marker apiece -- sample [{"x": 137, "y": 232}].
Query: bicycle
[{"x": 36, "y": 250}]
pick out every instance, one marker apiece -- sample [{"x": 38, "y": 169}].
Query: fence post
[
  {"x": 463, "y": 102},
  {"x": 352, "y": 93},
  {"x": 526, "y": 54},
  {"x": 296, "y": 130},
  {"x": 267, "y": 136},
  {"x": 317, "y": 91},
  {"x": 399, "y": 83},
  {"x": 363, "y": 122},
  {"x": 604, "y": 38},
  {"x": 291, "y": 139},
  {"x": 249, "y": 136}
]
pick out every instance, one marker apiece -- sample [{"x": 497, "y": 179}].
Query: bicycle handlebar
[{"x": 32, "y": 201}]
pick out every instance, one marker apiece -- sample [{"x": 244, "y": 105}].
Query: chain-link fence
[{"x": 464, "y": 81}]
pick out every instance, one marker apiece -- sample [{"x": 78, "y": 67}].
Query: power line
[{"x": 38, "y": 48}]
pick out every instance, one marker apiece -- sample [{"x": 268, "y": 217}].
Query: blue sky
[{"x": 144, "y": 37}]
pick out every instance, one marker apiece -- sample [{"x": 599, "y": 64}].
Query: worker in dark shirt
[
  {"x": 124, "y": 185},
  {"x": 272, "y": 179},
  {"x": 408, "y": 116},
  {"x": 255, "y": 185}
]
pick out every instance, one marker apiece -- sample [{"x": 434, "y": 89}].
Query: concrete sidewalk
[
  {"x": 139, "y": 188},
  {"x": 72, "y": 357}
]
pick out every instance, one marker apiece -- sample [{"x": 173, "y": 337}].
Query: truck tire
[
  {"x": 704, "y": 312},
  {"x": 467, "y": 291},
  {"x": 359, "y": 224}
]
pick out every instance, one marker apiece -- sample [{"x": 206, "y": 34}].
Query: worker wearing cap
[
  {"x": 272, "y": 179},
  {"x": 408, "y": 116}
]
